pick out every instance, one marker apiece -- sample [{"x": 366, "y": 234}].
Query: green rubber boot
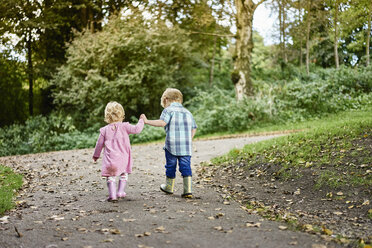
[
  {"x": 187, "y": 187},
  {"x": 168, "y": 187}
]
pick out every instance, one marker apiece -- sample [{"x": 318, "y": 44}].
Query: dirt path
[{"x": 63, "y": 205}]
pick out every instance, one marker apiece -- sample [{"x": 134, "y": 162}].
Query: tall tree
[
  {"x": 368, "y": 33},
  {"x": 308, "y": 26},
  {"x": 22, "y": 18},
  {"x": 241, "y": 76},
  {"x": 335, "y": 24},
  {"x": 282, "y": 28},
  {"x": 355, "y": 31}
]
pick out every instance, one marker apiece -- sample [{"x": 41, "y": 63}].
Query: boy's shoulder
[{"x": 176, "y": 107}]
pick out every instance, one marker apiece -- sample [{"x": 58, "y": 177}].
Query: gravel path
[{"x": 63, "y": 205}]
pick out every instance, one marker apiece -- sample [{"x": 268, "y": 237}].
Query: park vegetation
[{"x": 72, "y": 58}]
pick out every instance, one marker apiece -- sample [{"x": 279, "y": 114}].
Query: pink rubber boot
[
  {"x": 121, "y": 187},
  {"x": 112, "y": 190}
]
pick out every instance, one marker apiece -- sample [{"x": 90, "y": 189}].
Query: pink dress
[{"x": 117, "y": 158}]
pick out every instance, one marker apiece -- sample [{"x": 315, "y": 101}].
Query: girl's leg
[
  {"x": 122, "y": 183},
  {"x": 111, "y": 185}
]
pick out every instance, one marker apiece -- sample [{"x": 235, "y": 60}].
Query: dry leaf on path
[
  {"x": 258, "y": 225},
  {"x": 129, "y": 220}
]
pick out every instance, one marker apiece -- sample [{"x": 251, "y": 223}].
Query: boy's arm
[
  {"x": 193, "y": 133},
  {"x": 155, "y": 123}
]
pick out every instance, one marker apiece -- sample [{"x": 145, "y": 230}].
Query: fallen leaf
[
  {"x": 258, "y": 225},
  {"x": 108, "y": 240},
  {"x": 56, "y": 217},
  {"x": 129, "y": 220},
  {"x": 318, "y": 246},
  {"x": 283, "y": 227},
  {"x": 308, "y": 227},
  {"x": 160, "y": 229},
  {"x": 366, "y": 202},
  {"x": 337, "y": 213},
  {"x": 327, "y": 231},
  {"x": 4, "y": 220},
  {"x": 220, "y": 215},
  {"x": 114, "y": 231},
  {"x": 218, "y": 228},
  {"x": 147, "y": 233}
]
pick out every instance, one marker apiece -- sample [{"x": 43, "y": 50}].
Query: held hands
[{"x": 144, "y": 118}]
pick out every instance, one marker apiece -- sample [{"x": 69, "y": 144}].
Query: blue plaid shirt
[{"x": 180, "y": 122}]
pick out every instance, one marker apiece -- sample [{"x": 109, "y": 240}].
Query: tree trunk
[
  {"x": 241, "y": 76},
  {"x": 299, "y": 23},
  {"x": 280, "y": 28},
  {"x": 211, "y": 72},
  {"x": 368, "y": 33},
  {"x": 285, "y": 58},
  {"x": 30, "y": 73},
  {"x": 308, "y": 25},
  {"x": 336, "y": 35}
]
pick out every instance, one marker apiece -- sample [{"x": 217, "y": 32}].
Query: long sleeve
[
  {"x": 133, "y": 129},
  {"x": 99, "y": 145}
]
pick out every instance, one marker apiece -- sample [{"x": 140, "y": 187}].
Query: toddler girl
[{"x": 117, "y": 158}]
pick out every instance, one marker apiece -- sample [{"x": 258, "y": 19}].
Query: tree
[
  {"x": 368, "y": 33},
  {"x": 241, "y": 75},
  {"x": 308, "y": 29},
  {"x": 335, "y": 24},
  {"x": 133, "y": 67},
  {"x": 355, "y": 31},
  {"x": 21, "y": 17},
  {"x": 200, "y": 20},
  {"x": 13, "y": 107}
]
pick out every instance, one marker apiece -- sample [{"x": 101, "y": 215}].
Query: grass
[
  {"x": 334, "y": 143},
  {"x": 10, "y": 182}
]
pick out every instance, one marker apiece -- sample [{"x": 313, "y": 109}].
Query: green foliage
[
  {"x": 57, "y": 132},
  {"x": 9, "y": 183},
  {"x": 133, "y": 67},
  {"x": 40, "y": 134},
  {"x": 215, "y": 111},
  {"x": 326, "y": 143},
  {"x": 329, "y": 91},
  {"x": 12, "y": 95}
]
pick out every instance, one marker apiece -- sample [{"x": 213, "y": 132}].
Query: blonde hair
[
  {"x": 172, "y": 95},
  {"x": 114, "y": 112}
]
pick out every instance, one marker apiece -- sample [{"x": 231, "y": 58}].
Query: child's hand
[
  {"x": 143, "y": 117},
  {"x": 95, "y": 159}
]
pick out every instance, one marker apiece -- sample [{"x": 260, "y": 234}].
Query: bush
[
  {"x": 40, "y": 134},
  {"x": 329, "y": 91},
  {"x": 215, "y": 110}
]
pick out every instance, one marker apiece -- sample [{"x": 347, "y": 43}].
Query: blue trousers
[{"x": 184, "y": 165}]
